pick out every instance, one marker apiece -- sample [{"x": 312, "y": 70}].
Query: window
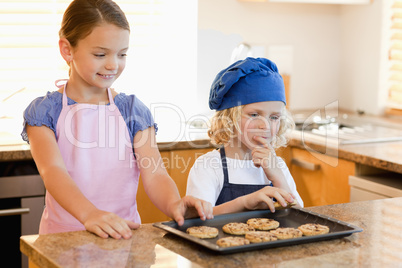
[
  {"x": 28, "y": 51},
  {"x": 395, "y": 60},
  {"x": 161, "y": 63}
]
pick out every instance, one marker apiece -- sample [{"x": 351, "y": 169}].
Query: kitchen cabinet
[
  {"x": 372, "y": 187},
  {"x": 178, "y": 164},
  {"x": 320, "y": 179},
  {"x": 22, "y": 198}
]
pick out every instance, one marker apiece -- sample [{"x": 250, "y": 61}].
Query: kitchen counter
[
  {"x": 379, "y": 245},
  {"x": 15, "y": 152},
  {"x": 383, "y": 155}
]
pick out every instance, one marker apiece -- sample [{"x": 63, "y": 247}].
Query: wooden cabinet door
[
  {"x": 285, "y": 154},
  {"x": 178, "y": 164},
  {"x": 148, "y": 211},
  {"x": 181, "y": 162},
  {"x": 321, "y": 179}
]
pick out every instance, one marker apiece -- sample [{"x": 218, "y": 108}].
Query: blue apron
[{"x": 231, "y": 191}]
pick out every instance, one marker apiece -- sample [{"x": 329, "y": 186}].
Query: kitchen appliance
[
  {"x": 292, "y": 217},
  {"x": 364, "y": 188},
  {"x": 348, "y": 132},
  {"x": 22, "y": 199}
]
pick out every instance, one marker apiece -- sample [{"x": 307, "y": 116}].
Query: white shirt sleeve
[
  {"x": 290, "y": 181},
  {"x": 204, "y": 181}
]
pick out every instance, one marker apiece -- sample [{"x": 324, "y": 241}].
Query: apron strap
[
  {"x": 109, "y": 94},
  {"x": 62, "y": 83},
  {"x": 65, "y": 103},
  {"x": 224, "y": 165},
  {"x": 59, "y": 82}
]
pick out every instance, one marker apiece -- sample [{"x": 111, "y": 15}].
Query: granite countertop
[
  {"x": 383, "y": 155},
  {"x": 379, "y": 245}
]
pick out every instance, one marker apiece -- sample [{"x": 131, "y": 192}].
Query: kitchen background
[
  {"x": 337, "y": 52},
  {"x": 332, "y": 52}
]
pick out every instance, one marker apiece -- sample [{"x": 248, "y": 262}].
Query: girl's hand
[
  {"x": 105, "y": 224},
  {"x": 191, "y": 207},
  {"x": 262, "y": 199}
]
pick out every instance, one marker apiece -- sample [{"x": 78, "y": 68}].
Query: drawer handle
[
  {"x": 14, "y": 211},
  {"x": 305, "y": 164}
]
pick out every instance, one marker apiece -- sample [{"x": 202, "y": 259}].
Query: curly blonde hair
[{"x": 225, "y": 122}]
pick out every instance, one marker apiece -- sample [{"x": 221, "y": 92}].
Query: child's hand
[
  {"x": 262, "y": 199},
  {"x": 105, "y": 224},
  {"x": 191, "y": 207},
  {"x": 264, "y": 156}
]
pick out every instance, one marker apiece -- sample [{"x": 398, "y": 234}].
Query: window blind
[
  {"x": 395, "y": 59},
  {"x": 162, "y": 49},
  {"x": 28, "y": 43}
]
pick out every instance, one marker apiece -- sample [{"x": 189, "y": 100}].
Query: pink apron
[{"x": 96, "y": 147}]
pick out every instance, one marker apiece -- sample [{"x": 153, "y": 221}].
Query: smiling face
[
  {"x": 261, "y": 119},
  {"x": 99, "y": 58}
]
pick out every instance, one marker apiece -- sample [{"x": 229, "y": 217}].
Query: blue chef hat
[{"x": 246, "y": 81}]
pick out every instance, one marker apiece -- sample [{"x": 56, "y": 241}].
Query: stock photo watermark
[
  {"x": 322, "y": 126},
  {"x": 111, "y": 132}
]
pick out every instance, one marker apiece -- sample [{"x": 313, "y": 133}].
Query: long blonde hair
[{"x": 225, "y": 122}]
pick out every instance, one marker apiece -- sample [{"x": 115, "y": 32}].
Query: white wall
[
  {"x": 363, "y": 78},
  {"x": 312, "y": 30},
  {"x": 336, "y": 48}
]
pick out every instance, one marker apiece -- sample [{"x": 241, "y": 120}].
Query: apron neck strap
[
  {"x": 109, "y": 94},
  {"x": 224, "y": 165},
  {"x": 65, "y": 95},
  {"x": 65, "y": 101}
]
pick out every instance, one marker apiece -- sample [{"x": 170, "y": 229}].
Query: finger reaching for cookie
[
  {"x": 278, "y": 205},
  {"x": 262, "y": 199}
]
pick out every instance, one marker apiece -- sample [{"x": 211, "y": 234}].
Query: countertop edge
[
  {"x": 33, "y": 253},
  {"x": 342, "y": 152},
  {"x": 22, "y": 152}
]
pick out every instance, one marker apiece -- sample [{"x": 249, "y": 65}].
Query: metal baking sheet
[{"x": 291, "y": 217}]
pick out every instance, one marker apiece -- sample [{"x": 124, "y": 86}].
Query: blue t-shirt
[{"x": 45, "y": 111}]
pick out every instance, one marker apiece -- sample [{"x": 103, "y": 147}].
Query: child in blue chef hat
[{"x": 249, "y": 124}]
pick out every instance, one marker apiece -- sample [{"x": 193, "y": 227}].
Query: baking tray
[{"x": 291, "y": 217}]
